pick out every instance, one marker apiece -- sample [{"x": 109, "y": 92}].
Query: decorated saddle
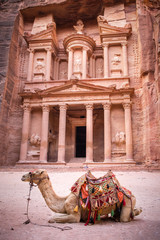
[{"x": 99, "y": 193}]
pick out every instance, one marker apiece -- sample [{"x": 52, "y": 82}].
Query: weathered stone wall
[{"x": 144, "y": 68}]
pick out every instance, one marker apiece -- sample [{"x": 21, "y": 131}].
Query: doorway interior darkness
[{"x": 81, "y": 141}]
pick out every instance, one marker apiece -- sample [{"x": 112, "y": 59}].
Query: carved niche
[
  {"x": 99, "y": 67},
  {"x": 115, "y": 56},
  {"x": 39, "y": 70},
  {"x": 63, "y": 70}
]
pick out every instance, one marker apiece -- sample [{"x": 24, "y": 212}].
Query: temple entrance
[{"x": 80, "y": 141}]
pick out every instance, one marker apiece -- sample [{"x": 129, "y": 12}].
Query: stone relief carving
[
  {"x": 35, "y": 140},
  {"x": 77, "y": 64},
  {"x": 79, "y": 27},
  {"x": 119, "y": 138},
  {"x": 40, "y": 66},
  {"x": 116, "y": 59}
]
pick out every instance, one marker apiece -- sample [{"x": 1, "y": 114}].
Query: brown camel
[{"x": 64, "y": 207}]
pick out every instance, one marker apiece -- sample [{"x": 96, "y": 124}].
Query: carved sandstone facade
[{"x": 78, "y": 92}]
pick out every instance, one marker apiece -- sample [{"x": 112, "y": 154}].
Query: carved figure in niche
[
  {"x": 79, "y": 27},
  {"x": 119, "y": 138},
  {"x": 35, "y": 140},
  {"x": 116, "y": 59},
  {"x": 77, "y": 64},
  {"x": 40, "y": 66},
  {"x": 101, "y": 18}
]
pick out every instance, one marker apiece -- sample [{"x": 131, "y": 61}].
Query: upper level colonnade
[{"x": 81, "y": 56}]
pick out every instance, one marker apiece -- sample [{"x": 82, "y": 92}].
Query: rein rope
[{"x": 31, "y": 185}]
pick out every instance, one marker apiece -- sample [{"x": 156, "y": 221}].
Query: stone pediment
[
  {"x": 45, "y": 35},
  {"x": 74, "y": 86},
  {"x": 112, "y": 31}
]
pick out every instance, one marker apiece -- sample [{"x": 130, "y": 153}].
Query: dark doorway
[{"x": 81, "y": 141}]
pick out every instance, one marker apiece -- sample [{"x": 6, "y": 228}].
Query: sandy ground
[{"x": 13, "y": 199}]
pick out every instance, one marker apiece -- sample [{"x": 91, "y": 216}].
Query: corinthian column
[
  {"x": 84, "y": 66},
  {"x": 107, "y": 132},
  {"x": 125, "y": 59},
  {"x": 89, "y": 133},
  {"x": 70, "y": 63},
  {"x": 62, "y": 134},
  {"x": 25, "y": 132},
  {"x": 44, "y": 134},
  {"x": 30, "y": 65},
  {"x": 128, "y": 131},
  {"x": 106, "y": 60},
  {"x": 48, "y": 65}
]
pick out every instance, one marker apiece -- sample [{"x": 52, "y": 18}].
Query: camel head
[{"x": 35, "y": 176}]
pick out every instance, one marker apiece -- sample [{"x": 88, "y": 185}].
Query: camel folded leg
[{"x": 65, "y": 218}]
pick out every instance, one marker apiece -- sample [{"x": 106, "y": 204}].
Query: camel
[{"x": 64, "y": 207}]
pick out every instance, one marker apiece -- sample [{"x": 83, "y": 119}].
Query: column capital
[
  {"x": 30, "y": 50},
  {"x": 89, "y": 106},
  {"x": 126, "y": 105},
  {"x": 105, "y": 45},
  {"x": 45, "y": 108},
  {"x": 48, "y": 49},
  {"x": 85, "y": 49},
  {"x": 26, "y": 107},
  {"x": 63, "y": 107},
  {"x": 107, "y": 106},
  {"x": 124, "y": 43},
  {"x": 69, "y": 49}
]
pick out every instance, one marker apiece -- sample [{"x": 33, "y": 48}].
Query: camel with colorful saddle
[{"x": 90, "y": 199}]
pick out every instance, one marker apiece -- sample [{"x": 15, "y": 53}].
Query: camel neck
[{"x": 54, "y": 202}]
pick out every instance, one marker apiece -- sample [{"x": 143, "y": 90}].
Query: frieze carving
[
  {"x": 119, "y": 138},
  {"x": 79, "y": 27},
  {"x": 35, "y": 140}
]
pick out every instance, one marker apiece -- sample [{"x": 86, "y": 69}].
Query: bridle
[{"x": 36, "y": 178}]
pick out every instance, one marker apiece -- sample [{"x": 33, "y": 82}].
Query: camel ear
[{"x": 42, "y": 172}]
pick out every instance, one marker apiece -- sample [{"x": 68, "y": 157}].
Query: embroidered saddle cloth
[
  {"x": 102, "y": 192},
  {"x": 99, "y": 193}
]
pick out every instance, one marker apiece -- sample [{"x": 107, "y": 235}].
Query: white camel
[{"x": 64, "y": 207}]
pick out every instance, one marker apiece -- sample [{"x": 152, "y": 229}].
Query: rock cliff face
[
  {"x": 144, "y": 71},
  {"x": 149, "y": 40}
]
